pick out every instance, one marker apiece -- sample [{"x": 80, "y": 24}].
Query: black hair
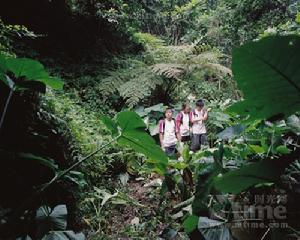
[
  {"x": 169, "y": 108},
  {"x": 184, "y": 105},
  {"x": 200, "y": 103}
]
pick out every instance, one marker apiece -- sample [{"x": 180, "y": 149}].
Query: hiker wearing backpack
[
  {"x": 198, "y": 116},
  {"x": 168, "y": 133},
  {"x": 183, "y": 123}
]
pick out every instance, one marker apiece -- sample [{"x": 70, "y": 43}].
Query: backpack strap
[
  {"x": 175, "y": 128},
  {"x": 181, "y": 117},
  {"x": 191, "y": 115},
  {"x": 179, "y": 120},
  {"x": 162, "y": 126}
]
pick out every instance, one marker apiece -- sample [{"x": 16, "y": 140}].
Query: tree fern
[
  {"x": 187, "y": 60},
  {"x": 169, "y": 70},
  {"x": 139, "y": 80},
  {"x": 139, "y": 88}
]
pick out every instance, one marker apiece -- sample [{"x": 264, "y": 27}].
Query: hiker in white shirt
[
  {"x": 183, "y": 123},
  {"x": 168, "y": 133},
  {"x": 198, "y": 116}
]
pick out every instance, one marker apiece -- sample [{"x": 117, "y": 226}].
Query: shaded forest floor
[{"x": 148, "y": 215}]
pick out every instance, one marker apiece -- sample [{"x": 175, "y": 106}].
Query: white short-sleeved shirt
[
  {"x": 185, "y": 126},
  {"x": 169, "y": 132},
  {"x": 198, "y": 127}
]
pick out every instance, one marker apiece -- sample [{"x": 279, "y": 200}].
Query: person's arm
[
  {"x": 177, "y": 128},
  {"x": 161, "y": 134},
  {"x": 161, "y": 139},
  {"x": 178, "y": 135},
  {"x": 194, "y": 119},
  {"x": 205, "y": 115}
]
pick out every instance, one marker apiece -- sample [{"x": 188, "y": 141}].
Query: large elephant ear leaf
[
  {"x": 31, "y": 70},
  {"x": 129, "y": 120},
  {"x": 268, "y": 73},
  {"x": 143, "y": 143},
  {"x": 236, "y": 181},
  {"x": 132, "y": 134}
]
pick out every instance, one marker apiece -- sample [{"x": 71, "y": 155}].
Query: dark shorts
[
  {"x": 185, "y": 138},
  {"x": 197, "y": 141},
  {"x": 170, "y": 151}
]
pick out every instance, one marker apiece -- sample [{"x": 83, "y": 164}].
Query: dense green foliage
[{"x": 83, "y": 85}]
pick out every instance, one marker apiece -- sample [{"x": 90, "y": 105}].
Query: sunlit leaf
[
  {"x": 190, "y": 223},
  {"x": 143, "y": 143},
  {"x": 283, "y": 149},
  {"x": 129, "y": 120},
  {"x": 269, "y": 77},
  {"x": 30, "y": 70}
]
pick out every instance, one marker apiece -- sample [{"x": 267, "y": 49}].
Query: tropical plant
[
  {"x": 276, "y": 155},
  {"x": 22, "y": 74},
  {"x": 161, "y": 75}
]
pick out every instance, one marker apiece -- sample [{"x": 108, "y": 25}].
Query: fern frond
[
  {"x": 169, "y": 70},
  {"x": 224, "y": 71},
  {"x": 139, "y": 88},
  {"x": 208, "y": 56}
]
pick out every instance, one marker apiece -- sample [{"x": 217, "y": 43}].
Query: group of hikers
[{"x": 188, "y": 126}]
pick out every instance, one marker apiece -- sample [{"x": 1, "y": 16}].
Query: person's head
[
  {"x": 168, "y": 113},
  {"x": 185, "y": 108},
  {"x": 199, "y": 104}
]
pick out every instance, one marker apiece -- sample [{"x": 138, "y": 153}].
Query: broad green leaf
[
  {"x": 55, "y": 219},
  {"x": 129, "y": 120},
  {"x": 110, "y": 124},
  {"x": 25, "y": 67},
  {"x": 283, "y": 149},
  {"x": 298, "y": 18},
  {"x": 30, "y": 70},
  {"x": 3, "y": 66},
  {"x": 268, "y": 73},
  {"x": 241, "y": 179},
  {"x": 231, "y": 132},
  {"x": 177, "y": 165},
  {"x": 213, "y": 229},
  {"x": 257, "y": 148},
  {"x": 145, "y": 144},
  {"x": 53, "y": 82},
  {"x": 190, "y": 223}
]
